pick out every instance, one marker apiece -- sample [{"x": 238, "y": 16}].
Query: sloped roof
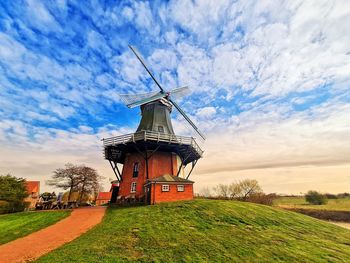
[
  {"x": 33, "y": 186},
  {"x": 170, "y": 178},
  {"x": 104, "y": 195}
]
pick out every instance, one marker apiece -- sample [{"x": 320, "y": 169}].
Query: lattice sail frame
[{"x": 133, "y": 100}]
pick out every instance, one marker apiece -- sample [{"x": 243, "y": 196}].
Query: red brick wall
[
  {"x": 157, "y": 196},
  {"x": 127, "y": 173},
  {"x": 159, "y": 164}
]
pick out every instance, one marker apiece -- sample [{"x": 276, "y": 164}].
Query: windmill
[{"x": 153, "y": 157}]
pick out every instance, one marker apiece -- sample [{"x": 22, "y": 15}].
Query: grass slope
[
  {"x": 206, "y": 230},
  {"x": 341, "y": 204},
  {"x": 13, "y": 226}
]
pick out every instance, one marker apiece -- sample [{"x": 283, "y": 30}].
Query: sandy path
[
  {"x": 342, "y": 224},
  {"x": 45, "y": 240}
]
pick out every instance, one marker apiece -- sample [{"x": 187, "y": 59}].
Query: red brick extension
[
  {"x": 161, "y": 163},
  {"x": 157, "y": 196}
]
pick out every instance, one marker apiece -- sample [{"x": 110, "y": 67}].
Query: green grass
[
  {"x": 207, "y": 231},
  {"x": 13, "y": 226},
  {"x": 341, "y": 204}
]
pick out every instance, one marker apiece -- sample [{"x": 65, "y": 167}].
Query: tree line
[
  {"x": 239, "y": 190},
  {"x": 244, "y": 190},
  {"x": 80, "y": 181}
]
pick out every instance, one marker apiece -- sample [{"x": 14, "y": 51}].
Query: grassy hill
[
  {"x": 16, "y": 225},
  {"x": 207, "y": 230}
]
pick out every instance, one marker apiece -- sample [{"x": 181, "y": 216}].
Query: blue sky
[{"x": 269, "y": 84}]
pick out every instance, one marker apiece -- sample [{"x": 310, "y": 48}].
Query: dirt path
[
  {"x": 342, "y": 224},
  {"x": 45, "y": 240}
]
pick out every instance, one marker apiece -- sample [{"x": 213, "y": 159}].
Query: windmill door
[{"x": 148, "y": 194}]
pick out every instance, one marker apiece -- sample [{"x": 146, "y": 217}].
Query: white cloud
[
  {"x": 40, "y": 17},
  {"x": 200, "y": 17},
  {"x": 286, "y": 47},
  {"x": 206, "y": 112},
  {"x": 98, "y": 43},
  {"x": 128, "y": 13},
  {"x": 225, "y": 50}
]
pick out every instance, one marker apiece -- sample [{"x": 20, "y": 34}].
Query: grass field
[
  {"x": 207, "y": 230},
  {"x": 342, "y": 204},
  {"x": 13, "y": 226}
]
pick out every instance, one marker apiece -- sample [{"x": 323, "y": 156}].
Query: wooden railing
[{"x": 152, "y": 136}]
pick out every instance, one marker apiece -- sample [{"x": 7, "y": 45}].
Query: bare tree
[
  {"x": 205, "y": 192},
  {"x": 249, "y": 187},
  {"x": 79, "y": 178},
  {"x": 222, "y": 190},
  {"x": 235, "y": 190},
  {"x": 66, "y": 178}
]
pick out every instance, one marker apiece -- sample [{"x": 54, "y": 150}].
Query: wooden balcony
[{"x": 182, "y": 145}]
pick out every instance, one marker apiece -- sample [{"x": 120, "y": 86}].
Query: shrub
[
  {"x": 261, "y": 198},
  {"x": 316, "y": 198},
  {"x": 343, "y": 195},
  {"x": 331, "y": 196},
  {"x": 4, "y": 207},
  {"x": 12, "y": 194}
]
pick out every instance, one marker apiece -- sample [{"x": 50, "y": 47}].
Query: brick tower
[{"x": 153, "y": 157}]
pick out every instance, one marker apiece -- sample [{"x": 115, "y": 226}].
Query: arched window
[{"x": 135, "y": 170}]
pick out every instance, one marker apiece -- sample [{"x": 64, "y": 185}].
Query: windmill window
[
  {"x": 180, "y": 188},
  {"x": 160, "y": 128},
  {"x": 135, "y": 170},
  {"x": 133, "y": 187},
  {"x": 165, "y": 188}
]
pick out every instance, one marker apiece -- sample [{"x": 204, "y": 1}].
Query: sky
[{"x": 269, "y": 80}]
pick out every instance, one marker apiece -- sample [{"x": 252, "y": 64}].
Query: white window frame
[
  {"x": 165, "y": 188},
  {"x": 180, "y": 188},
  {"x": 133, "y": 187},
  {"x": 135, "y": 170}
]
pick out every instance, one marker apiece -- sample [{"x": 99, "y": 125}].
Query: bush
[
  {"x": 331, "y": 196},
  {"x": 12, "y": 207},
  {"x": 316, "y": 198},
  {"x": 261, "y": 198},
  {"x": 343, "y": 195},
  {"x": 4, "y": 207},
  {"x": 12, "y": 194}
]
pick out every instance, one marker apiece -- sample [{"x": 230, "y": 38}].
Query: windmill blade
[
  {"x": 159, "y": 95},
  {"x": 179, "y": 92},
  {"x": 144, "y": 65},
  {"x": 132, "y": 98},
  {"x": 187, "y": 118}
]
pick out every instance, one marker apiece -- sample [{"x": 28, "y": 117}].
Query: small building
[
  {"x": 168, "y": 188},
  {"x": 103, "y": 198},
  {"x": 33, "y": 189}
]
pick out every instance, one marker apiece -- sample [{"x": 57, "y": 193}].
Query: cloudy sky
[{"x": 270, "y": 85}]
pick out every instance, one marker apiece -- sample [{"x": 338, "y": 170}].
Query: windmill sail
[
  {"x": 132, "y": 98},
  {"x": 137, "y": 100},
  {"x": 187, "y": 118},
  {"x": 144, "y": 65}
]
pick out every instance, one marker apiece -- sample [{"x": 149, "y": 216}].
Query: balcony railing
[{"x": 152, "y": 136}]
